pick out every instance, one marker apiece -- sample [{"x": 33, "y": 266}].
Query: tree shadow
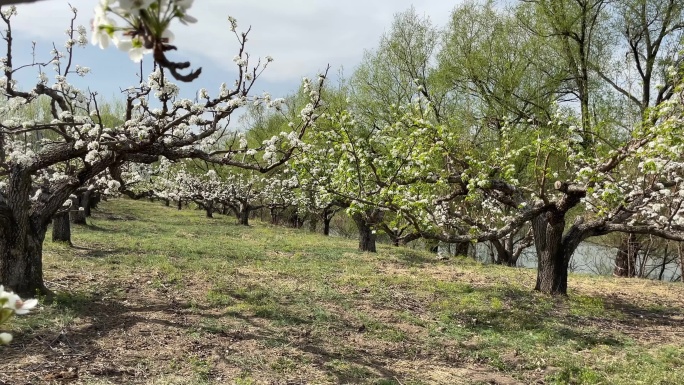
[
  {"x": 412, "y": 258},
  {"x": 137, "y": 327},
  {"x": 646, "y": 316},
  {"x": 132, "y": 323},
  {"x": 97, "y": 252},
  {"x": 520, "y": 311},
  {"x": 99, "y": 229}
]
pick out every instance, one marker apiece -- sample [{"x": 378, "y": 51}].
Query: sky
[{"x": 303, "y": 37}]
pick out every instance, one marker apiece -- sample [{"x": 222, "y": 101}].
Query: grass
[{"x": 152, "y": 295}]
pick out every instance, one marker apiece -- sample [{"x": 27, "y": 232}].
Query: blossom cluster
[
  {"x": 11, "y": 304},
  {"x": 143, "y": 23}
]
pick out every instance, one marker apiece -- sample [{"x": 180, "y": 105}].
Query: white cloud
[{"x": 302, "y": 35}]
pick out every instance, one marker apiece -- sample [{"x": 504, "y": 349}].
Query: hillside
[{"x": 152, "y": 295}]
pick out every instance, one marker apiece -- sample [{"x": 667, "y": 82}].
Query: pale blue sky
[{"x": 303, "y": 36}]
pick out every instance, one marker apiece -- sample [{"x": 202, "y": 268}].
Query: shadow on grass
[
  {"x": 511, "y": 311},
  {"x": 351, "y": 365},
  {"x": 657, "y": 316},
  {"x": 129, "y": 323},
  {"x": 99, "y": 229},
  {"x": 412, "y": 258},
  {"x": 99, "y": 253},
  {"x": 139, "y": 327}
]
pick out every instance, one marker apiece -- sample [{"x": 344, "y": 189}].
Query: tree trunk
[
  {"x": 21, "y": 264},
  {"x": 209, "y": 208},
  {"x": 167, "y": 202},
  {"x": 681, "y": 261},
  {"x": 326, "y": 225},
  {"x": 366, "y": 234},
  {"x": 503, "y": 255},
  {"x": 243, "y": 218},
  {"x": 95, "y": 199},
  {"x": 552, "y": 270},
  {"x": 313, "y": 223},
  {"x": 461, "y": 249},
  {"x": 86, "y": 203},
  {"x": 180, "y": 204},
  {"x": 274, "y": 215},
  {"x": 663, "y": 265},
  {"x": 625, "y": 260},
  {"x": 21, "y": 239},
  {"x": 61, "y": 227},
  {"x": 77, "y": 215}
]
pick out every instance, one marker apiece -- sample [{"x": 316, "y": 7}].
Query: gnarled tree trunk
[
  {"x": 366, "y": 234},
  {"x": 21, "y": 263},
  {"x": 21, "y": 240},
  {"x": 61, "y": 227},
  {"x": 503, "y": 255},
  {"x": 326, "y": 226},
  {"x": 243, "y": 214},
  {"x": 552, "y": 264},
  {"x": 209, "y": 209},
  {"x": 86, "y": 203}
]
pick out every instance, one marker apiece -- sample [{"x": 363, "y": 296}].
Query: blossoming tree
[{"x": 62, "y": 151}]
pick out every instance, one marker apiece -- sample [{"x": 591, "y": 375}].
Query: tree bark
[
  {"x": 243, "y": 215},
  {"x": 681, "y": 261},
  {"x": 504, "y": 256},
  {"x": 552, "y": 269},
  {"x": 77, "y": 215},
  {"x": 180, "y": 204},
  {"x": 21, "y": 241},
  {"x": 209, "y": 209},
  {"x": 86, "y": 203},
  {"x": 462, "y": 249},
  {"x": 21, "y": 251},
  {"x": 274, "y": 215},
  {"x": 326, "y": 225},
  {"x": 21, "y": 264},
  {"x": 313, "y": 222},
  {"x": 625, "y": 260},
  {"x": 366, "y": 234},
  {"x": 94, "y": 199},
  {"x": 61, "y": 227}
]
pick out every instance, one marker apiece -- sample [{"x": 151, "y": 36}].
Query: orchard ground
[{"x": 152, "y": 295}]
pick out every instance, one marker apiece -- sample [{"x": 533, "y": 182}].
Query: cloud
[{"x": 303, "y": 36}]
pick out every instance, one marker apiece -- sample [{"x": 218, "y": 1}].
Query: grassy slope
[{"x": 156, "y": 296}]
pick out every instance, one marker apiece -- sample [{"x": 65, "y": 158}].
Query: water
[{"x": 589, "y": 258}]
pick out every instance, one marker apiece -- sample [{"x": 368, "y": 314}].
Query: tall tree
[{"x": 574, "y": 29}]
